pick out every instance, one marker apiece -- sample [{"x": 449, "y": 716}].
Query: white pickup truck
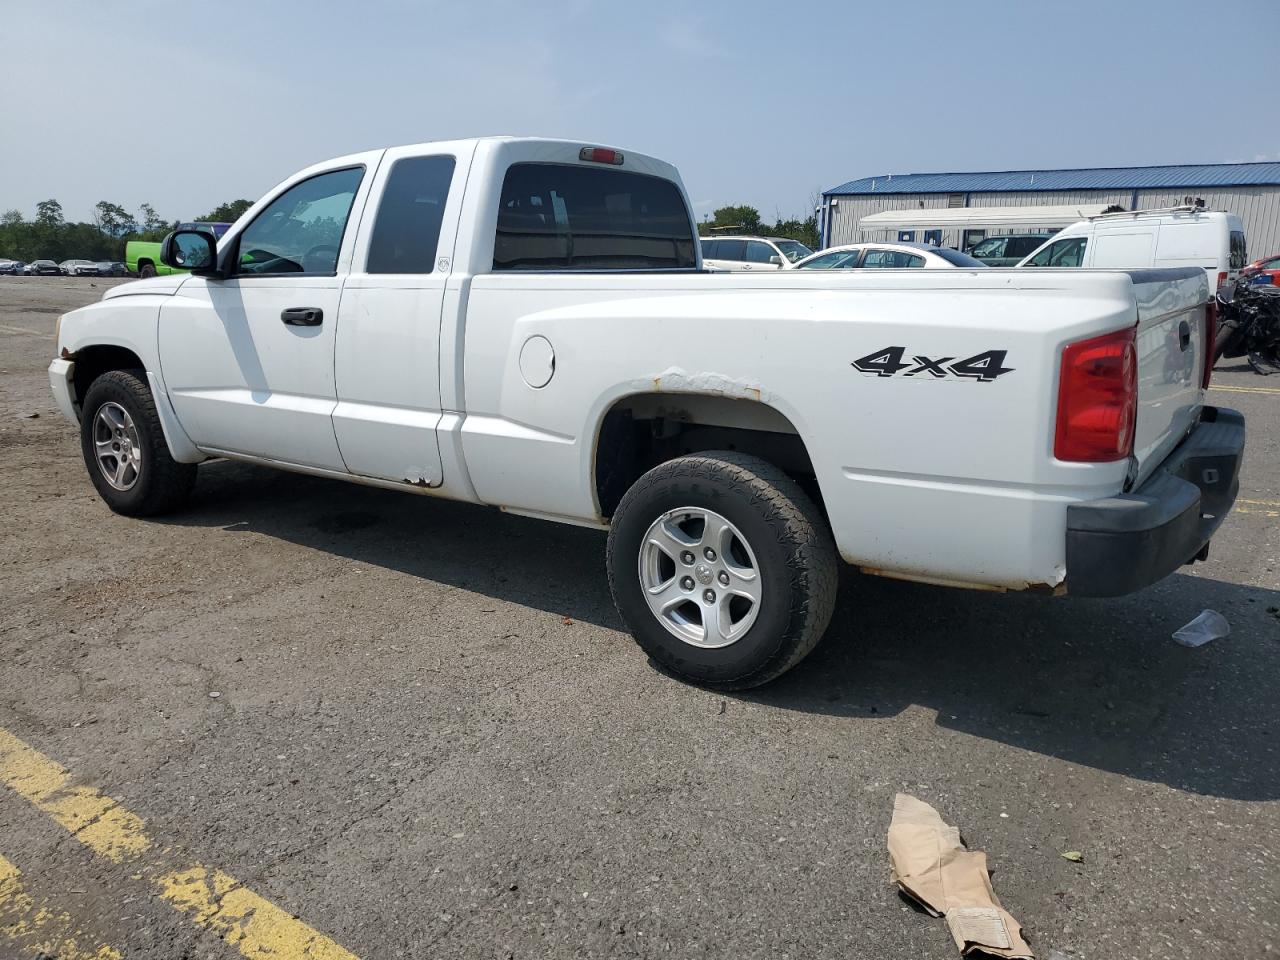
[{"x": 525, "y": 323}]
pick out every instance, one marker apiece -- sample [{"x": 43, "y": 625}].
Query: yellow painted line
[
  {"x": 213, "y": 900},
  {"x": 1273, "y": 514},
  {"x": 36, "y": 928},
  {"x": 254, "y": 926},
  {"x": 34, "y": 333},
  {"x": 1259, "y": 503},
  {"x": 98, "y": 822},
  {"x": 1271, "y": 390}
]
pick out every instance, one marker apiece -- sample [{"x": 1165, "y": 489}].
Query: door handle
[{"x": 302, "y": 316}]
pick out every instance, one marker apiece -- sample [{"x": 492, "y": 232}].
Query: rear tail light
[
  {"x": 600, "y": 155},
  {"x": 1210, "y": 335},
  {"x": 1097, "y": 399},
  {"x": 1222, "y": 278}
]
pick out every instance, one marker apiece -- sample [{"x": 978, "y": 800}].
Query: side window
[
  {"x": 554, "y": 216},
  {"x": 891, "y": 259},
  {"x": 1068, "y": 252},
  {"x": 1239, "y": 251},
  {"x": 732, "y": 250},
  {"x": 759, "y": 252},
  {"x": 709, "y": 248},
  {"x": 301, "y": 230},
  {"x": 1021, "y": 246},
  {"x": 407, "y": 230},
  {"x": 987, "y": 248}
]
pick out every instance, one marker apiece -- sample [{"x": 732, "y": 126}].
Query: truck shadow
[{"x": 1093, "y": 682}]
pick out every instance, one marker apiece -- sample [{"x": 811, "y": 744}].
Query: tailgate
[{"x": 1171, "y": 343}]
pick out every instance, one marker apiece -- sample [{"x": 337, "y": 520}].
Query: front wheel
[
  {"x": 125, "y": 450},
  {"x": 722, "y": 568}
]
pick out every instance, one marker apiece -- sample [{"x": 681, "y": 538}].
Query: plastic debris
[
  {"x": 1075, "y": 856},
  {"x": 1210, "y": 625},
  {"x": 932, "y": 867}
]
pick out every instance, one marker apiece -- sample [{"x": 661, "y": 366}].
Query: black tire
[
  {"x": 161, "y": 483},
  {"x": 793, "y": 550},
  {"x": 146, "y": 270}
]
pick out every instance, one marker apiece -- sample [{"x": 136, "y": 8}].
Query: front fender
[{"x": 130, "y": 323}]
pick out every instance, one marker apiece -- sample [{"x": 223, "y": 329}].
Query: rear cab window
[{"x": 554, "y": 216}]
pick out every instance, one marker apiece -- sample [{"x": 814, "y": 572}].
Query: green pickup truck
[{"x": 143, "y": 256}]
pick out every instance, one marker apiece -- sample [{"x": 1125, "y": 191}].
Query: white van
[{"x": 1177, "y": 237}]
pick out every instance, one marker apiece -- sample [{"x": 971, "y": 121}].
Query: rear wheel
[
  {"x": 722, "y": 568},
  {"x": 146, "y": 270},
  {"x": 124, "y": 447}
]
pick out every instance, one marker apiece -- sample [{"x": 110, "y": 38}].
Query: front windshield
[{"x": 793, "y": 250}]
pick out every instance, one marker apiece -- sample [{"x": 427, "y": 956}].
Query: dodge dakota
[{"x": 526, "y": 324}]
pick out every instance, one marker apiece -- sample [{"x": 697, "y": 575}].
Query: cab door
[
  {"x": 387, "y": 355},
  {"x": 248, "y": 359}
]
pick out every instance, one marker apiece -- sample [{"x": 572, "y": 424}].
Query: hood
[{"x": 163, "y": 286}]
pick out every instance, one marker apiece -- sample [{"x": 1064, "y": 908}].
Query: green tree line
[
  {"x": 745, "y": 219},
  {"x": 50, "y": 236}
]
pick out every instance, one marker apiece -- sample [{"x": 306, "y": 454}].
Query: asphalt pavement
[{"x": 310, "y": 719}]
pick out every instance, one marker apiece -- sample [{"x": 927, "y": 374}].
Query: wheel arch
[
  {"x": 641, "y": 429},
  {"x": 93, "y": 360}
]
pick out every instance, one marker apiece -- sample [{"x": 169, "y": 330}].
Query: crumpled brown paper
[{"x": 932, "y": 867}]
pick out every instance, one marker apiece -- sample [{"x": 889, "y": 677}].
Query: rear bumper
[{"x": 1124, "y": 543}]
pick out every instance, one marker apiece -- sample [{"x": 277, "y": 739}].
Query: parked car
[
  {"x": 594, "y": 375},
  {"x": 752, "y": 253},
  {"x": 13, "y": 268},
  {"x": 79, "y": 268},
  {"x": 892, "y": 255},
  {"x": 1006, "y": 251},
  {"x": 1176, "y": 237},
  {"x": 1264, "y": 271},
  {"x": 110, "y": 268},
  {"x": 142, "y": 257},
  {"x": 42, "y": 268}
]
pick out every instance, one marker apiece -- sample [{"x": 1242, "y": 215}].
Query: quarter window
[
  {"x": 301, "y": 230},
  {"x": 565, "y": 217},
  {"x": 709, "y": 248},
  {"x": 407, "y": 231}
]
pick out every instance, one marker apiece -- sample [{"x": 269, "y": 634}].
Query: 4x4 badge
[{"x": 887, "y": 362}]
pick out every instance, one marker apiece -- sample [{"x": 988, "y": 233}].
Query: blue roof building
[{"x": 1250, "y": 190}]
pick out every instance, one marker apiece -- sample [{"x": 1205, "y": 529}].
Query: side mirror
[
  {"x": 192, "y": 250},
  {"x": 776, "y": 260}
]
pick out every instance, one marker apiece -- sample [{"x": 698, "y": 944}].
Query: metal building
[{"x": 1250, "y": 190}]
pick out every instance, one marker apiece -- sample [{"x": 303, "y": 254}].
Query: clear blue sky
[{"x": 185, "y": 105}]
